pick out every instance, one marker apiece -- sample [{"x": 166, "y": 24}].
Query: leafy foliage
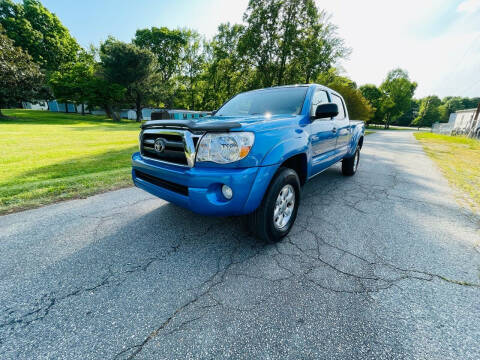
[
  {"x": 193, "y": 64},
  {"x": 132, "y": 67},
  {"x": 397, "y": 93},
  {"x": 226, "y": 73},
  {"x": 168, "y": 46},
  {"x": 374, "y": 96},
  {"x": 20, "y": 78},
  {"x": 453, "y": 104},
  {"x": 39, "y": 32},
  {"x": 359, "y": 108},
  {"x": 81, "y": 83},
  {"x": 288, "y": 41},
  {"x": 429, "y": 111}
]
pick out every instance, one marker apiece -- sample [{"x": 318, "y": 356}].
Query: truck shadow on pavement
[{"x": 166, "y": 272}]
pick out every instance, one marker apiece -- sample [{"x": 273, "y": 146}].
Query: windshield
[{"x": 270, "y": 101}]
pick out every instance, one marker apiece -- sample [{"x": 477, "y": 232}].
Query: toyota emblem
[{"x": 159, "y": 145}]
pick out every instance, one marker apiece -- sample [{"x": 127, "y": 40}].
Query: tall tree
[
  {"x": 131, "y": 67},
  {"x": 70, "y": 83},
  {"x": 429, "y": 112},
  {"x": 39, "y": 32},
  {"x": 288, "y": 41},
  {"x": 82, "y": 83},
  {"x": 20, "y": 77},
  {"x": 168, "y": 46},
  {"x": 397, "y": 92},
  {"x": 374, "y": 97},
  {"x": 226, "y": 72},
  {"x": 193, "y": 68},
  {"x": 358, "y": 106},
  {"x": 319, "y": 48},
  {"x": 409, "y": 115},
  {"x": 260, "y": 41}
]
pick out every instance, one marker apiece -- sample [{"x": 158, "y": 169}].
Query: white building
[
  {"x": 41, "y": 105},
  {"x": 464, "y": 121}
]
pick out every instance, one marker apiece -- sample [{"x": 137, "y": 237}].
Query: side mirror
[
  {"x": 213, "y": 112},
  {"x": 327, "y": 110}
]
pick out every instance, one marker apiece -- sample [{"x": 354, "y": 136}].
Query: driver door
[{"x": 323, "y": 135}]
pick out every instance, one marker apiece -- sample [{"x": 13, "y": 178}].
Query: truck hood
[{"x": 225, "y": 123}]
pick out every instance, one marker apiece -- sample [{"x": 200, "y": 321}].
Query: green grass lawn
[
  {"x": 47, "y": 157},
  {"x": 459, "y": 159}
]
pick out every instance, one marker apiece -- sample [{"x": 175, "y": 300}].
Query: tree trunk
[
  {"x": 83, "y": 109},
  {"x": 66, "y": 108},
  {"x": 1, "y": 114},
  {"x": 115, "y": 116},
  {"x": 138, "y": 104},
  {"x": 108, "y": 110},
  {"x": 387, "y": 122}
]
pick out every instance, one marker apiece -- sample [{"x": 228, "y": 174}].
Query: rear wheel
[
  {"x": 350, "y": 165},
  {"x": 276, "y": 214}
]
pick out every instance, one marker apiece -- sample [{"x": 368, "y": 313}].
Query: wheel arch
[{"x": 299, "y": 164}]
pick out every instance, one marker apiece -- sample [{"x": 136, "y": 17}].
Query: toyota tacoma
[{"x": 250, "y": 157}]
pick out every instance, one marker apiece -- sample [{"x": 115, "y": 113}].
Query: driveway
[{"x": 382, "y": 265}]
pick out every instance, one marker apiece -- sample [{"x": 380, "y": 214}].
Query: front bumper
[{"x": 199, "y": 189}]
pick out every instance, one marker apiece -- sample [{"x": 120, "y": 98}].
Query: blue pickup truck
[{"x": 250, "y": 157}]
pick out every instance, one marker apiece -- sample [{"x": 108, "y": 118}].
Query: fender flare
[
  {"x": 285, "y": 150},
  {"x": 357, "y": 135}
]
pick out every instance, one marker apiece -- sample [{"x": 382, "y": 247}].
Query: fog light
[{"x": 227, "y": 192}]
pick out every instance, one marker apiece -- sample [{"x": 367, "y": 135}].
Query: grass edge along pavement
[
  {"x": 61, "y": 156},
  {"x": 458, "y": 158}
]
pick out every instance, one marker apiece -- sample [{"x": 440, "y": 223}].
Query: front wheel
[
  {"x": 275, "y": 216},
  {"x": 350, "y": 165}
]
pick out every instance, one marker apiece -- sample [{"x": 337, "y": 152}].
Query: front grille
[
  {"x": 174, "y": 151},
  {"x": 180, "y": 189}
]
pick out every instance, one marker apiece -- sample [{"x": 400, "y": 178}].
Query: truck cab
[{"x": 252, "y": 156}]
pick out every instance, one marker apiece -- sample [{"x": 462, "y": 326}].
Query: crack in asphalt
[
  {"x": 12, "y": 318},
  {"x": 41, "y": 307},
  {"x": 214, "y": 280},
  {"x": 313, "y": 260},
  {"x": 306, "y": 257}
]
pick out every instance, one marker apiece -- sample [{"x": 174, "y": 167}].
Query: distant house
[
  {"x": 55, "y": 106},
  {"x": 41, "y": 105},
  {"x": 168, "y": 114},
  {"x": 131, "y": 114},
  {"x": 463, "y": 121}
]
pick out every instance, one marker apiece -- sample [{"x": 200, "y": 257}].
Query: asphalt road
[{"x": 384, "y": 265}]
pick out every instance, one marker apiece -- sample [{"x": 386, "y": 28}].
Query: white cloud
[{"x": 469, "y": 6}]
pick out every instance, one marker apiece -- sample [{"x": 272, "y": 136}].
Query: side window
[
  {"x": 341, "y": 107},
  {"x": 320, "y": 97}
]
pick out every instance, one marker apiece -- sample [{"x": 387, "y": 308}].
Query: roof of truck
[{"x": 296, "y": 85}]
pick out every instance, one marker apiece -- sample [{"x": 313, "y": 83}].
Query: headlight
[{"x": 224, "y": 148}]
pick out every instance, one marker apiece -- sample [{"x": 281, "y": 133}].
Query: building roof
[{"x": 466, "y": 111}]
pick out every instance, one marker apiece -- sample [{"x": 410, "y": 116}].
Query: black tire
[
  {"x": 261, "y": 222},
  {"x": 349, "y": 165}
]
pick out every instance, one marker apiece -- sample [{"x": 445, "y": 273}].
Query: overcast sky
[{"x": 436, "y": 41}]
